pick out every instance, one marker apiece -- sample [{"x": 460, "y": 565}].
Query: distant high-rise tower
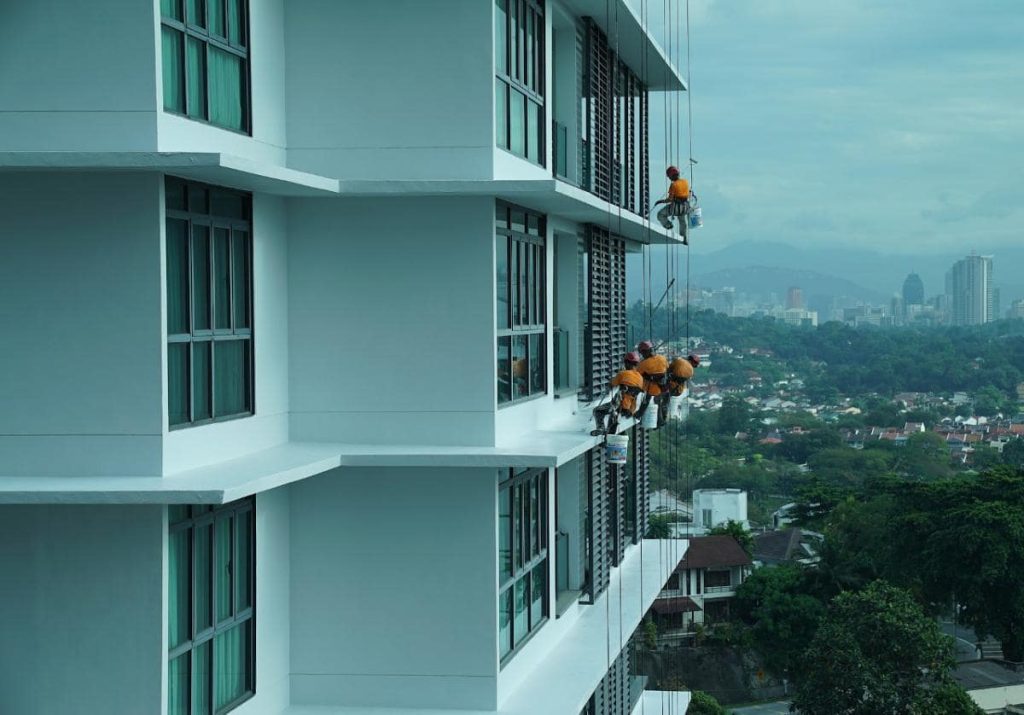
[
  {"x": 794, "y": 298},
  {"x": 913, "y": 290},
  {"x": 969, "y": 286}
]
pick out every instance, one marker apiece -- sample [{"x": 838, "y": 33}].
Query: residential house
[{"x": 241, "y": 246}]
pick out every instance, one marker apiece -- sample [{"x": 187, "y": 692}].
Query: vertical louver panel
[
  {"x": 643, "y": 479},
  {"x": 645, "y": 169},
  {"x": 600, "y": 567},
  {"x": 606, "y": 320},
  {"x": 598, "y": 86},
  {"x": 616, "y": 536}
]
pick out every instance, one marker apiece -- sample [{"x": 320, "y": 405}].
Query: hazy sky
[{"x": 895, "y": 125}]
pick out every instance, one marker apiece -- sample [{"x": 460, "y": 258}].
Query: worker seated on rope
[
  {"x": 680, "y": 370},
  {"x": 626, "y": 399},
  {"x": 676, "y": 202},
  {"x": 654, "y": 369}
]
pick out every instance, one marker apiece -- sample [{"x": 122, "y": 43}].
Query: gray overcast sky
[{"x": 895, "y": 125}]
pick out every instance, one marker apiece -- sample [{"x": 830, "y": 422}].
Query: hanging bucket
[
  {"x": 675, "y": 407},
  {"x": 696, "y": 220},
  {"x": 650, "y": 420},
  {"x": 616, "y": 448}
]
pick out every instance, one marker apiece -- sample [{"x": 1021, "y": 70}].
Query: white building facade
[
  {"x": 717, "y": 507},
  {"x": 306, "y": 305}
]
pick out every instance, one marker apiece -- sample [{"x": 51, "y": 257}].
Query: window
[
  {"x": 521, "y": 285},
  {"x": 210, "y": 607},
  {"x": 519, "y": 77},
  {"x": 522, "y": 557},
  {"x": 717, "y": 579},
  {"x": 209, "y": 304},
  {"x": 205, "y": 58}
]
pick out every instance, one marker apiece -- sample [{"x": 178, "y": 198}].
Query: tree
[
  {"x": 659, "y": 525},
  {"x": 1013, "y": 454},
  {"x": 925, "y": 456},
  {"x": 737, "y": 531},
  {"x": 783, "y": 614},
  {"x": 874, "y": 652},
  {"x": 843, "y": 466},
  {"x": 703, "y": 704},
  {"x": 733, "y": 416}
]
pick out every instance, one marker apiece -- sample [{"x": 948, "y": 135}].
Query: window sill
[
  {"x": 207, "y": 423},
  {"x": 566, "y": 392},
  {"x": 521, "y": 400},
  {"x": 522, "y": 644},
  {"x": 208, "y": 123}
]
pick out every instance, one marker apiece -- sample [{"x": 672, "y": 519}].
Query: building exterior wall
[
  {"x": 79, "y": 76},
  {"x": 724, "y": 505},
  {"x": 394, "y": 588},
  {"x": 367, "y": 367},
  {"x": 84, "y": 609},
  {"x": 80, "y": 280},
  {"x": 434, "y": 116}
]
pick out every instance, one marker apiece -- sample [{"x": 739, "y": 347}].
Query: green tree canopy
[
  {"x": 737, "y": 531},
  {"x": 874, "y": 652},
  {"x": 703, "y": 704}
]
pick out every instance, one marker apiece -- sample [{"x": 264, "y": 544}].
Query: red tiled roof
[
  {"x": 676, "y": 604},
  {"x": 707, "y": 551}
]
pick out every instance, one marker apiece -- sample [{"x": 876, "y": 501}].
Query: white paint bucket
[
  {"x": 696, "y": 219},
  {"x": 675, "y": 407},
  {"x": 616, "y": 448},
  {"x": 650, "y": 420}
]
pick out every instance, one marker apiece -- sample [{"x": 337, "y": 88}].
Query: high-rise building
[
  {"x": 970, "y": 290},
  {"x": 913, "y": 290},
  {"x": 288, "y": 424},
  {"x": 794, "y": 298}
]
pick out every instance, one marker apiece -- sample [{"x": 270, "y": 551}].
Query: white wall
[
  {"x": 392, "y": 320},
  {"x": 80, "y": 312},
  {"x": 394, "y": 588},
  {"x": 78, "y": 76},
  {"x": 402, "y": 89},
  {"x": 196, "y": 446},
  {"x": 267, "y": 68},
  {"x": 81, "y": 610},
  {"x": 725, "y": 505}
]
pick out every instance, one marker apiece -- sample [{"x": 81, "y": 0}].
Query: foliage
[
  {"x": 737, "y": 531},
  {"x": 703, "y": 704},
  {"x": 734, "y": 416},
  {"x": 946, "y": 699},
  {"x": 799, "y": 447},
  {"x": 925, "y": 456},
  {"x": 1013, "y": 454},
  {"x": 783, "y": 615},
  {"x": 650, "y": 633},
  {"x": 844, "y": 467},
  {"x": 874, "y": 652},
  {"x": 659, "y": 525}
]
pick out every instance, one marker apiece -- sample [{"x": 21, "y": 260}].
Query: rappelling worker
[
  {"x": 680, "y": 370},
  {"x": 654, "y": 369},
  {"x": 676, "y": 202},
  {"x": 626, "y": 399}
]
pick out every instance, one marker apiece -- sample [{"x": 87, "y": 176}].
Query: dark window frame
[
  {"x": 203, "y": 33},
  {"x": 527, "y": 552},
  {"x": 526, "y": 313},
  {"x": 202, "y": 516},
  {"x": 525, "y": 73},
  {"x": 213, "y": 334}
]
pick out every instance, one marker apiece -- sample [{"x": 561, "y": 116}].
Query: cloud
[{"x": 998, "y": 203}]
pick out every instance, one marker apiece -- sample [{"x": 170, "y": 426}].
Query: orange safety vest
[{"x": 630, "y": 384}]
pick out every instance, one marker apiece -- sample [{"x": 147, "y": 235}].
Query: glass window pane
[
  {"x": 538, "y": 364},
  {"x": 534, "y": 535},
  {"x": 222, "y": 568},
  {"x": 203, "y": 557},
  {"x": 513, "y": 276},
  {"x": 504, "y": 535},
  {"x": 518, "y": 501},
  {"x": 231, "y": 377},
  {"x": 236, "y": 22},
  {"x": 538, "y": 579},
  {"x": 174, "y": 195},
  {"x": 523, "y": 289},
  {"x": 202, "y": 675},
  {"x": 533, "y": 126},
  {"x": 176, "y": 513},
  {"x": 177, "y": 686},
  {"x": 201, "y": 381},
  {"x": 171, "y": 9},
  {"x": 197, "y": 12},
  {"x": 243, "y": 550},
  {"x": 217, "y": 22},
  {"x": 225, "y": 89},
  {"x": 221, "y": 279},
  {"x": 240, "y": 278},
  {"x": 501, "y": 36},
  {"x": 196, "y": 78},
  {"x": 226, "y": 204},
  {"x": 200, "y": 277},
  {"x": 501, "y": 279},
  {"x": 514, "y": 38},
  {"x": 172, "y": 45},
  {"x": 501, "y": 113},
  {"x": 521, "y": 627},
  {"x": 177, "y": 383},
  {"x": 198, "y": 199},
  {"x": 177, "y": 277},
  {"x": 517, "y": 117},
  {"x": 518, "y": 219},
  {"x": 528, "y": 49},
  {"x": 505, "y": 621},
  {"x": 179, "y": 576},
  {"x": 520, "y": 367},
  {"x": 504, "y": 371},
  {"x": 230, "y": 653}
]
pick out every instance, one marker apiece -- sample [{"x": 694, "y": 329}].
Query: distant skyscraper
[
  {"x": 794, "y": 298},
  {"x": 913, "y": 290},
  {"x": 970, "y": 290}
]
